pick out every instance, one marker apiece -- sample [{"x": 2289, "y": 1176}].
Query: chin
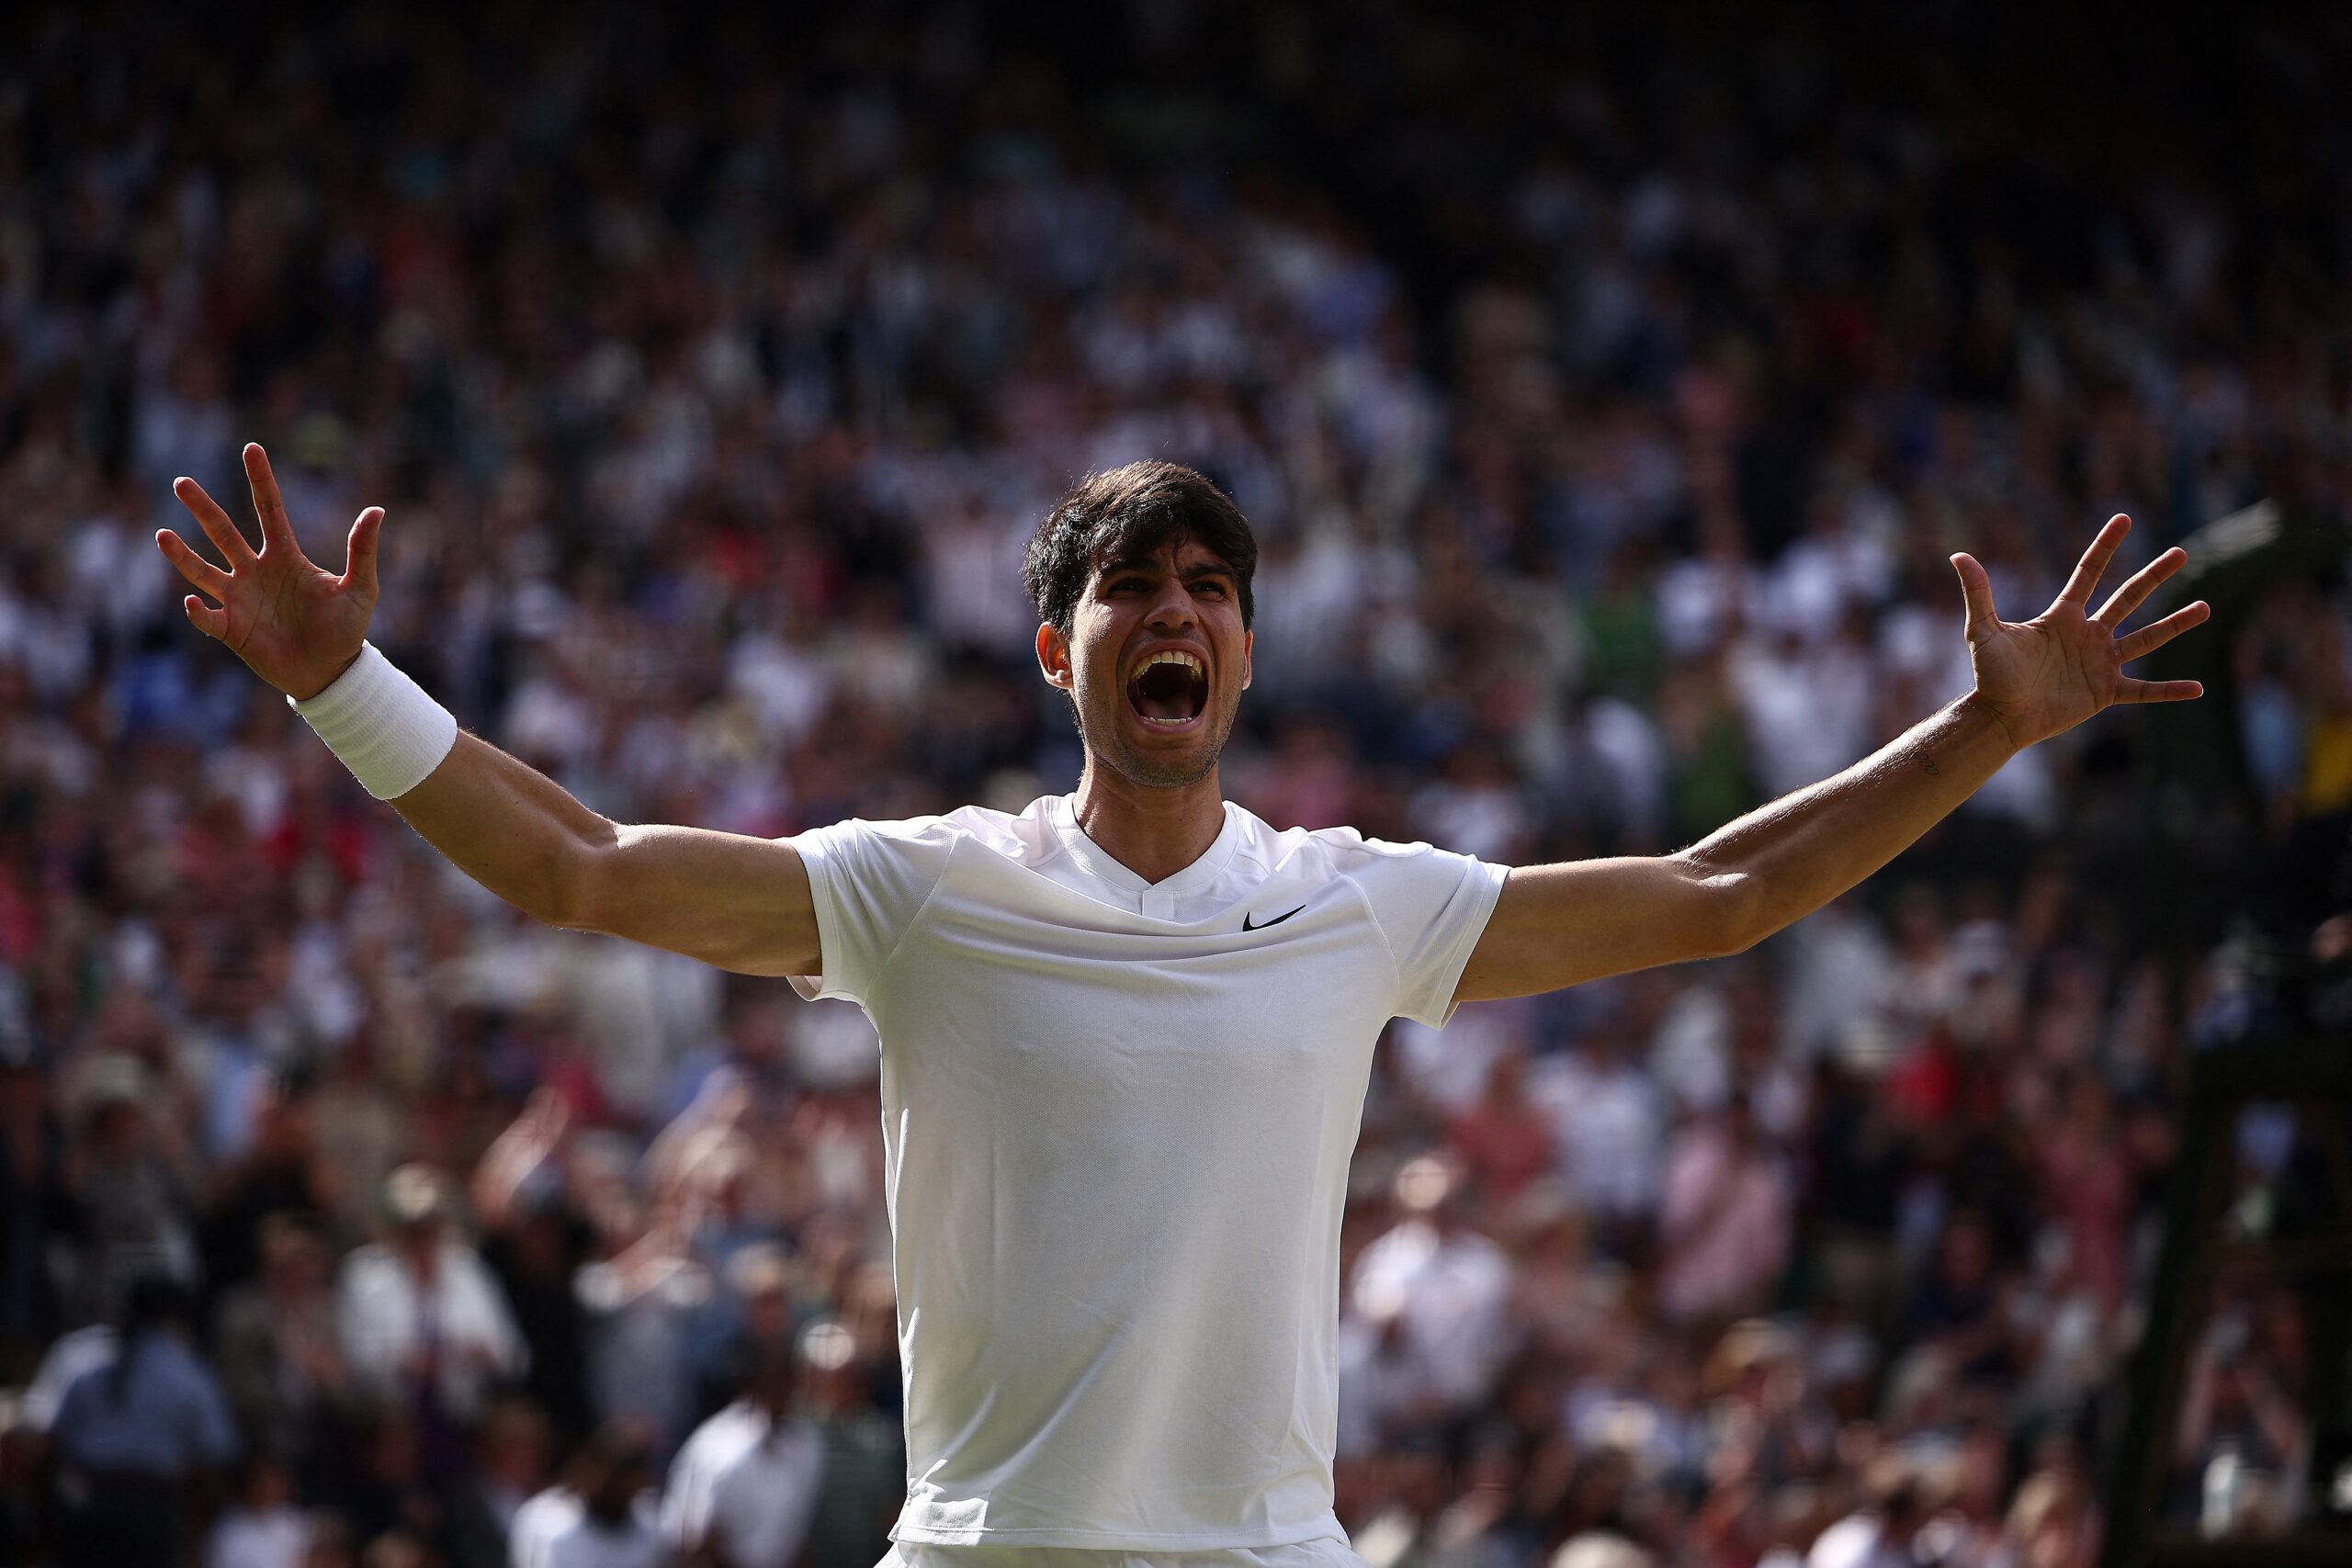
[
  {"x": 1164, "y": 773},
  {"x": 1160, "y": 768},
  {"x": 1139, "y": 761}
]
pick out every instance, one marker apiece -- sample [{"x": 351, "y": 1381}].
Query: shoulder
[
  {"x": 63, "y": 1366},
  {"x": 1331, "y": 852},
  {"x": 1380, "y": 863},
  {"x": 370, "y": 1267},
  {"x": 1351, "y": 849},
  {"x": 1026, "y": 835},
  {"x": 1274, "y": 849},
  {"x": 1023, "y": 835},
  {"x": 1845, "y": 1543},
  {"x": 722, "y": 1439},
  {"x": 857, "y": 832},
  {"x": 546, "y": 1516}
]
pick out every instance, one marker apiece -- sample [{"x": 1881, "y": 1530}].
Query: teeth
[{"x": 1171, "y": 656}]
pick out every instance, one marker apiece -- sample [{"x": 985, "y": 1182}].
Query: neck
[{"x": 1153, "y": 832}]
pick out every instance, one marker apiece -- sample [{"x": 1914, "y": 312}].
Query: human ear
[
  {"x": 1248, "y": 641},
  {"x": 1053, "y": 656}
]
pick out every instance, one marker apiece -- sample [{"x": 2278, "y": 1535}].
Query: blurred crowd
[{"x": 1607, "y": 403}]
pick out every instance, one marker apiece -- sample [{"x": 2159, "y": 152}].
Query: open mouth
[{"x": 1168, "y": 689}]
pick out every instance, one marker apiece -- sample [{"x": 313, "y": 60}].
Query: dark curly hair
[{"x": 1132, "y": 512}]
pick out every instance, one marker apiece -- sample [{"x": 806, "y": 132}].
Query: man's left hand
[{"x": 2044, "y": 676}]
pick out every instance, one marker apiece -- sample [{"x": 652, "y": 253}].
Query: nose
[{"x": 1172, "y": 610}]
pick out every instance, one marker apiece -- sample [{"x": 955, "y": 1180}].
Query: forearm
[
  {"x": 741, "y": 903},
  {"x": 1792, "y": 857},
  {"x": 510, "y": 827}
]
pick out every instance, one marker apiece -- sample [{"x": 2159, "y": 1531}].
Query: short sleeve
[
  {"x": 868, "y": 882},
  {"x": 1431, "y": 905}
]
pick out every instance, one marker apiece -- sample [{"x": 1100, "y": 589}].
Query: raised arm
[
  {"x": 740, "y": 903},
  {"x": 1558, "y": 925}
]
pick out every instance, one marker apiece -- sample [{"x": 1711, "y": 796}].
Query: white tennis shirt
[{"x": 1116, "y": 1128}]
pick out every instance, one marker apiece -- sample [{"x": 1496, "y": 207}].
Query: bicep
[
  {"x": 737, "y": 902},
  {"x": 1561, "y": 925}
]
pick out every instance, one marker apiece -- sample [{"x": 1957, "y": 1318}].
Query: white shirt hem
[{"x": 1326, "y": 1528}]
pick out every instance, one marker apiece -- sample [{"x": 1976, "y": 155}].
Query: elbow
[
  {"x": 1735, "y": 939},
  {"x": 1736, "y": 914},
  {"x": 572, "y": 891}
]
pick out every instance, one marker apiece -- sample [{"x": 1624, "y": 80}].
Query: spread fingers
[
  {"x": 2128, "y": 598},
  {"x": 212, "y": 623},
  {"x": 2094, "y": 559},
  {"x": 2155, "y": 633},
  {"x": 199, "y": 572},
  {"x": 216, "y": 524},
  {"x": 267, "y": 504},
  {"x": 2159, "y": 691}
]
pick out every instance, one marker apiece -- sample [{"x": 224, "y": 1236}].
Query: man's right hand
[
  {"x": 296, "y": 624},
  {"x": 741, "y": 903}
]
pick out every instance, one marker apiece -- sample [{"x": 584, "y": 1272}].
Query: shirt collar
[{"x": 1062, "y": 814}]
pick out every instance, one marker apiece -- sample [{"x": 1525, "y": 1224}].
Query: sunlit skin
[
  {"x": 296, "y": 624},
  {"x": 1149, "y": 794},
  {"x": 2044, "y": 676}
]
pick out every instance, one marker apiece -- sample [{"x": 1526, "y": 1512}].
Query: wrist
[
  {"x": 1981, "y": 709},
  {"x": 337, "y": 674},
  {"x": 381, "y": 724}
]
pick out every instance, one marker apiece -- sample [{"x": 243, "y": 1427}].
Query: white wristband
[{"x": 381, "y": 724}]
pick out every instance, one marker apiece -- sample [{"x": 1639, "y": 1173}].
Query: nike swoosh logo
[{"x": 1261, "y": 925}]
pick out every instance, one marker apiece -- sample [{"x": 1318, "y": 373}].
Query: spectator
[
  {"x": 535, "y": 1240},
  {"x": 1596, "y": 1549},
  {"x": 1501, "y": 1142},
  {"x": 1446, "y": 1283},
  {"x": 261, "y": 1527},
  {"x": 1880, "y": 1535},
  {"x": 280, "y": 1171},
  {"x": 134, "y": 1437},
  {"x": 861, "y": 1477},
  {"x": 602, "y": 1516},
  {"x": 644, "y": 1302},
  {"x": 423, "y": 1325},
  {"x": 396, "y": 1549},
  {"x": 1961, "y": 1314},
  {"x": 34, "y": 1206},
  {"x": 328, "y": 1542},
  {"x": 1725, "y": 1218},
  {"x": 132, "y": 1201},
  {"x": 753, "y": 1319},
  {"x": 277, "y": 1345},
  {"x": 1608, "y": 404},
  {"x": 513, "y": 1450},
  {"x": 377, "y": 1483},
  {"x": 2050, "y": 1525},
  {"x": 1608, "y": 1124},
  {"x": 743, "y": 1487}
]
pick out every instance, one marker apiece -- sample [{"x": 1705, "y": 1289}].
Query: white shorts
[{"x": 1328, "y": 1552}]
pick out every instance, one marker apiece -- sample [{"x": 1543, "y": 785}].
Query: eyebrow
[{"x": 1147, "y": 563}]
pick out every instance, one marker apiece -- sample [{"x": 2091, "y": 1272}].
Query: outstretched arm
[
  {"x": 1558, "y": 925},
  {"x": 740, "y": 903}
]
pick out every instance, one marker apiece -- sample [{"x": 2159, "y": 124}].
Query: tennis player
[{"x": 1127, "y": 1033}]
